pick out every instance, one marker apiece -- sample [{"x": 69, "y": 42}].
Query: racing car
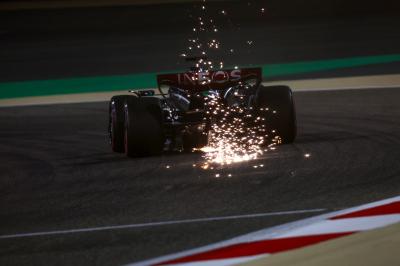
[{"x": 145, "y": 123}]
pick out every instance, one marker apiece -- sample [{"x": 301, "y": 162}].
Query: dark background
[{"x": 57, "y": 170}]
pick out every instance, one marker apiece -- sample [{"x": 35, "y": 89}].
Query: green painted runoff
[{"x": 148, "y": 80}]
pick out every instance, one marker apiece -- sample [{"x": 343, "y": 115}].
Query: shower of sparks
[
  {"x": 236, "y": 135},
  {"x": 205, "y": 33},
  {"x": 204, "y": 40}
]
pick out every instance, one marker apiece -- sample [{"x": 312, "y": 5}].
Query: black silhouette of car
[{"x": 144, "y": 122}]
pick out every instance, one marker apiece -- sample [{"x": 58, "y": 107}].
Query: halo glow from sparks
[{"x": 236, "y": 135}]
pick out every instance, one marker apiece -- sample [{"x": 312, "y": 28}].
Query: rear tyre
[
  {"x": 143, "y": 134},
  {"x": 117, "y": 122},
  {"x": 280, "y": 100}
]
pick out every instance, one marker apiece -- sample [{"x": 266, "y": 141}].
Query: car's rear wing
[{"x": 202, "y": 81}]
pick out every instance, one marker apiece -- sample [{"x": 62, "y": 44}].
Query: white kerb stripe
[
  {"x": 222, "y": 262},
  {"x": 342, "y": 226}
]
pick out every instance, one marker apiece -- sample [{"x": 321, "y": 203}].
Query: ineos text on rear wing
[{"x": 201, "y": 81}]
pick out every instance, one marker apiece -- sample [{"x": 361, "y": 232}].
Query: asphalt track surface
[{"x": 58, "y": 173}]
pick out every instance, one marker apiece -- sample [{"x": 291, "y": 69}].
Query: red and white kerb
[{"x": 287, "y": 237}]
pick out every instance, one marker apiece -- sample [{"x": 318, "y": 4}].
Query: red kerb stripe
[
  {"x": 391, "y": 208},
  {"x": 256, "y": 248}
]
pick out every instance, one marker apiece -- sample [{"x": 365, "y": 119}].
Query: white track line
[{"x": 141, "y": 225}]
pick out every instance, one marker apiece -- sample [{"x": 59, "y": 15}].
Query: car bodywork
[
  {"x": 179, "y": 117},
  {"x": 185, "y": 94}
]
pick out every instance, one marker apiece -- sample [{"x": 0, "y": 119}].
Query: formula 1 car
[{"x": 144, "y": 123}]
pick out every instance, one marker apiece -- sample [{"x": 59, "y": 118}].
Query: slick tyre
[
  {"x": 117, "y": 123},
  {"x": 143, "y": 134},
  {"x": 283, "y": 120}
]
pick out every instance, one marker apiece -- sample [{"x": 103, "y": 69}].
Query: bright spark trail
[{"x": 236, "y": 134}]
